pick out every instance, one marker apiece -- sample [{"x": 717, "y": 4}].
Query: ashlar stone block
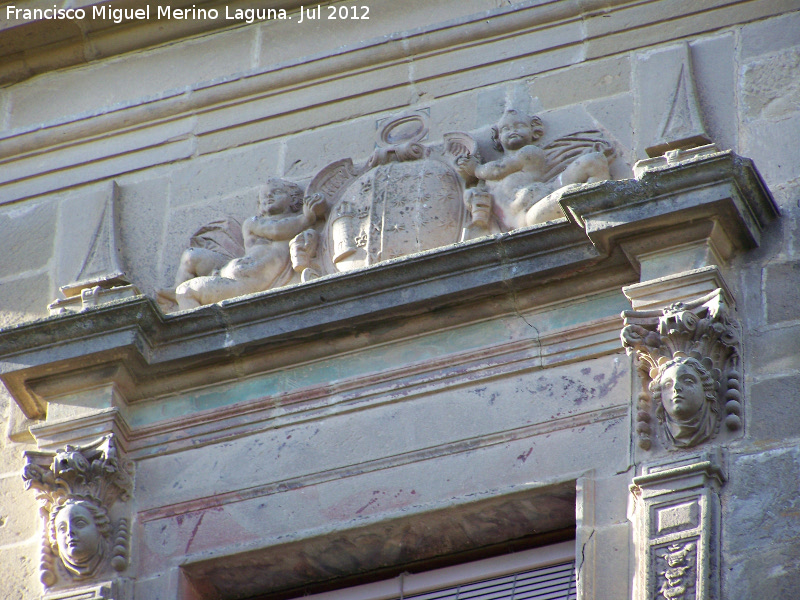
[
  {"x": 28, "y": 233},
  {"x": 770, "y": 35},
  {"x": 769, "y": 86},
  {"x": 760, "y": 525},
  {"x": 96, "y": 87},
  {"x": 24, "y": 299},
  {"x": 582, "y": 83}
]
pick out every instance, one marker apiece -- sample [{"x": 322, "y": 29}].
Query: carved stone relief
[
  {"x": 101, "y": 277},
  {"x": 282, "y": 230},
  {"x": 81, "y": 492},
  {"x": 518, "y": 188},
  {"x": 407, "y": 197},
  {"x": 676, "y": 514},
  {"x": 689, "y": 366},
  {"x": 671, "y": 116}
]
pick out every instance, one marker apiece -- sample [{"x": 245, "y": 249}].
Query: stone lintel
[{"x": 511, "y": 519}]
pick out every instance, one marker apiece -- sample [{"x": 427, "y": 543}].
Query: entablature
[{"x": 142, "y": 354}]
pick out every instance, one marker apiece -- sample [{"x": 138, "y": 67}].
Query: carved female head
[
  {"x": 279, "y": 196},
  {"x": 684, "y": 390},
  {"x": 79, "y": 530},
  {"x": 515, "y": 130}
]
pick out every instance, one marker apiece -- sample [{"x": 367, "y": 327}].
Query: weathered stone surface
[
  {"x": 775, "y": 415},
  {"x": 760, "y": 525},
  {"x": 20, "y": 567},
  {"x": 309, "y": 152},
  {"x": 770, "y": 89},
  {"x": 589, "y": 81},
  {"x": 560, "y": 396},
  {"x": 775, "y": 351},
  {"x": 766, "y": 138},
  {"x": 770, "y": 35},
  {"x": 325, "y": 35},
  {"x": 88, "y": 226},
  {"x": 222, "y": 174},
  {"x": 100, "y": 86},
  {"x": 18, "y": 514},
  {"x": 24, "y": 299},
  {"x": 142, "y": 220},
  {"x": 616, "y": 116},
  {"x": 715, "y": 72},
  {"x": 781, "y": 285},
  {"x": 598, "y": 562},
  {"x": 669, "y": 111},
  {"x": 28, "y": 236}
]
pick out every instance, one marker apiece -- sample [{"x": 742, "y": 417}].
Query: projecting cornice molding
[
  {"x": 29, "y": 46},
  {"x": 132, "y": 346}
]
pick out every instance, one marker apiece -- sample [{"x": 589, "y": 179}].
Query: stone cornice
[
  {"x": 214, "y": 115},
  {"x": 719, "y": 186},
  {"x": 143, "y": 354},
  {"x": 146, "y": 353},
  {"x": 31, "y": 47}
]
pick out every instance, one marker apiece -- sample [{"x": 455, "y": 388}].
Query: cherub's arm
[
  {"x": 498, "y": 169},
  {"x": 283, "y": 227}
]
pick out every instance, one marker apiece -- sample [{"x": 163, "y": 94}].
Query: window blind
[{"x": 554, "y": 582}]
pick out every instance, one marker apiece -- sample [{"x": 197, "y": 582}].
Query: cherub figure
[
  {"x": 284, "y": 215},
  {"x": 519, "y": 186},
  {"x": 684, "y": 391}
]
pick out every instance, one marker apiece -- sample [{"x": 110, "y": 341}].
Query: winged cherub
[{"x": 519, "y": 186}]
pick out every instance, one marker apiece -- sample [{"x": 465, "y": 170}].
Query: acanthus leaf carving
[{"x": 689, "y": 365}]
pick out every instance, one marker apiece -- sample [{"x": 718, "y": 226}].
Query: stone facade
[{"x": 291, "y": 302}]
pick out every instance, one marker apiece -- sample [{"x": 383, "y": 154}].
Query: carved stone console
[
  {"x": 690, "y": 371},
  {"x": 676, "y": 512},
  {"x": 82, "y": 492}
]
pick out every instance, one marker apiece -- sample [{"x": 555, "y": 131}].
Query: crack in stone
[{"x": 583, "y": 556}]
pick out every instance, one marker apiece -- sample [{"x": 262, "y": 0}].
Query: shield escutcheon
[{"x": 395, "y": 209}]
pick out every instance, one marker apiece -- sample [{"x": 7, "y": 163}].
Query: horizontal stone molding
[
  {"x": 146, "y": 354},
  {"x": 307, "y": 404},
  {"x": 225, "y": 112},
  {"x": 721, "y": 187},
  {"x": 605, "y": 415},
  {"x": 38, "y": 46}
]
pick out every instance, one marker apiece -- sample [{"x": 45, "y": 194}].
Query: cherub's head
[
  {"x": 515, "y": 130},
  {"x": 279, "y": 196},
  {"x": 79, "y": 529}
]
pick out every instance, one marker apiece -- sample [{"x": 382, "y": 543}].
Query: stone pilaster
[{"x": 676, "y": 514}]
